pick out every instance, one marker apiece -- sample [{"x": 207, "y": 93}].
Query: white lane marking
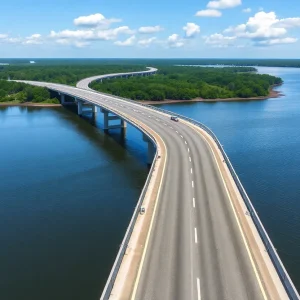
[
  {"x": 188, "y": 149},
  {"x": 198, "y": 289},
  {"x": 157, "y": 120},
  {"x": 149, "y": 116},
  {"x": 181, "y": 136},
  {"x": 171, "y": 127},
  {"x": 194, "y": 203},
  {"x": 185, "y": 142},
  {"x": 165, "y": 124},
  {"x": 143, "y": 113},
  {"x": 191, "y": 171},
  {"x": 176, "y": 131},
  {"x": 192, "y": 183},
  {"x": 238, "y": 222},
  {"x": 196, "y": 237},
  {"x": 190, "y": 159}
]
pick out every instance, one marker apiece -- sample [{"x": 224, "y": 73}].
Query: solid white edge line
[
  {"x": 150, "y": 227},
  {"x": 196, "y": 238},
  {"x": 198, "y": 289}
]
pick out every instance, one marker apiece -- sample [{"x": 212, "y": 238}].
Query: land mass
[{"x": 181, "y": 83}]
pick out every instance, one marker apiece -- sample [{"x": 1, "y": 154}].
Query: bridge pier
[
  {"x": 95, "y": 109},
  {"x": 62, "y": 99},
  {"x": 79, "y": 106},
  {"x": 151, "y": 149},
  {"x": 108, "y": 117}
]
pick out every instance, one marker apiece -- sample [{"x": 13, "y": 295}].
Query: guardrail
[
  {"x": 281, "y": 271},
  {"x": 118, "y": 261}
]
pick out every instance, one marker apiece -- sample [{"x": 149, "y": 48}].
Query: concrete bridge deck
[{"x": 196, "y": 239}]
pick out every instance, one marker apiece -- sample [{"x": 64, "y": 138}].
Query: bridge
[{"x": 200, "y": 237}]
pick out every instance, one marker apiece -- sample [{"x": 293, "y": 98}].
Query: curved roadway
[{"x": 196, "y": 250}]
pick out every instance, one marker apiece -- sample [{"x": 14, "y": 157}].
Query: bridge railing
[
  {"x": 118, "y": 261},
  {"x": 281, "y": 271}
]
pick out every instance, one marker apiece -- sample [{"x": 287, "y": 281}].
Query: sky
[{"x": 150, "y": 29}]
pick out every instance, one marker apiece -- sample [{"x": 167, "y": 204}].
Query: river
[{"x": 68, "y": 190}]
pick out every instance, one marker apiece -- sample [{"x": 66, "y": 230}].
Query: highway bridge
[{"x": 200, "y": 237}]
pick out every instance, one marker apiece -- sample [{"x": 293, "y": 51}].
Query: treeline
[
  {"x": 20, "y": 92},
  {"x": 185, "y": 83},
  {"x": 65, "y": 74}
]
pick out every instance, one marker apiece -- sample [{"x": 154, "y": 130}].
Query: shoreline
[
  {"x": 272, "y": 94},
  {"x": 29, "y": 104}
]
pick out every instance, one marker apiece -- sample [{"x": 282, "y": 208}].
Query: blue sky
[{"x": 156, "y": 28}]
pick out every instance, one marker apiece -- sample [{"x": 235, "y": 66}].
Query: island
[{"x": 181, "y": 83}]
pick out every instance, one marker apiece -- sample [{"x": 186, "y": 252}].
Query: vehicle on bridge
[{"x": 174, "y": 118}]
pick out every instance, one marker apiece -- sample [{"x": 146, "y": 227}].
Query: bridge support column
[
  {"x": 151, "y": 149},
  {"x": 108, "y": 116},
  {"x": 79, "y": 106},
  {"x": 62, "y": 99},
  {"x": 95, "y": 109}
]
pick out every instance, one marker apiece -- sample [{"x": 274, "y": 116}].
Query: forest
[
  {"x": 65, "y": 73},
  {"x": 185, "y": 83},
  {"x": 17, "y": 92}
]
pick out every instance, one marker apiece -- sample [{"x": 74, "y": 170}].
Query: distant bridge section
[{"x": 84, "y": 83}]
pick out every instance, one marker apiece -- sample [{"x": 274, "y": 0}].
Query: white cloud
[
  {"x": 247, "y": 10},
  {"x": 81, "y": 38},
  {"x": 147, "y": 42},
  {"x": 208, "y": 13},
  {"x": 219, "y": 40},
  {"x": 265, "y": 29},
  {"x": 128, "y": 42},
  {"x": 34, "y": 39},
  {"x": 191, "y": 29},
  {"x": 94, "y": 20},
  {"x": 271, "y": 42},
  {"x": 223, "y": 4},
  {"x": 289, "y": 22},
  {"x": 174, "y": 41},
  {"x": 3, "y": 36},
  {"x": 150, "y": 29}
]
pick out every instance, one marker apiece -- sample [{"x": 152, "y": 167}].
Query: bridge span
[{"x": 200, "y": 237}]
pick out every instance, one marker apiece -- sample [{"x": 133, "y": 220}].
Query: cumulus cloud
[
  {"x": 128, "y": 42},
  {"x": 287, "y": 40},
  {"x": 147, "y": 42},
  {"x": 208, "y": 13},
  {"x": 265, "y": 29},
  {"x": 82, "y": 38},
  {"x": 34, "y": 39},
  {"x": 3, "y": 36},
  {"x": 150, "y": 29},
  {"x": 219, "y": 40},
  {"x": 247, "y": 10},
  {"x": 191, "y": 29},
  {"x": 223, "y": 4},
  {"x": 174, "y": 41},
  {"x": 94, "y": 20}
]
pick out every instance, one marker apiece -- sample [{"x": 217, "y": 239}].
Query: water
[
  {"x": 67, "y": 191},
  {"x": 67, "y": 195},
  {"x": 262, "y": 141}
]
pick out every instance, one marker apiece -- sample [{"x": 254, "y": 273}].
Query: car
[
  {"x": 174, "y": 118},
  {"x": 142, "y": 210}
]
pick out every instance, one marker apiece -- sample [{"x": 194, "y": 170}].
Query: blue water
[
  {"x": 262, "y": 140},
  {"x": 67, "y": 190}
]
